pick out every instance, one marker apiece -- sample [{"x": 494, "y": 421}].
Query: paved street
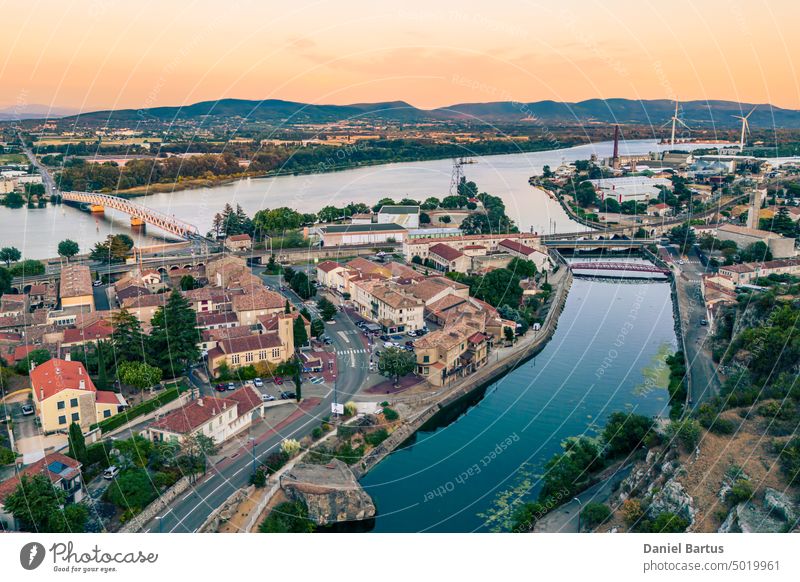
[{"x": 705, "y": 382}]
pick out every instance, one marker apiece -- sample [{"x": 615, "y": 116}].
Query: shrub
[
  {"x": 350, "y": 409},
  {"x": 377, "y": 437},
  {"x": 131, "y": 490},
  {"x": 345, "y": 431},
  {"x": 632, "y": 511},
  {"x": 316, "y": 434},
  {"x": 666, "y": 522},
  {"x": 595, "y": 514},
  {"x": 686, "y": 432},
  {"x": 741, "y": 491},
  {"x": 7, "y": 456},
  {"x": 624, "y": 432},
  {"x": 275, "y": 461},
  {"x": 390, "y": 414},
  {"x": 290, "y": 447},
  {"x": 289, "y": 517},
  {"x": 259, "y": 478}
]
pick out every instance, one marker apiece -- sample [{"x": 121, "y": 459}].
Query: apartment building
[
  {"x": 388, "y": 304},
  {"x": 453, "y": 351}
]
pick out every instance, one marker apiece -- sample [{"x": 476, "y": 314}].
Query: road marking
[{"x": 343, "y": 336}]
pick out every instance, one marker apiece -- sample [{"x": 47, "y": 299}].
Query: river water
[
  {"x": 606, "y": 355},
  {"x": 36, "y": 232}
]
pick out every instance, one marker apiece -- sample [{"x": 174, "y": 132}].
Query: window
[
  {"x": 235, "y": 359},
  {"x": 61, "y": 404},
  {"x": 62, "y": 419},
  {"x": 276, "y": 352},
  {"x": 248, "y": 357},
  {"x": 73, "y": 402},
  {"x": 76, "y": 417},
  {"x": 106, "y": 413},
  {"x": 426, "y": 359},
  {"x": 262, "y": 355}
]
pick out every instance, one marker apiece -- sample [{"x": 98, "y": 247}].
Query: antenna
[
  {"x": 745, "y": 126},
  {"x": 674, "y": 120},
  {"x": 457, "y": 174}
]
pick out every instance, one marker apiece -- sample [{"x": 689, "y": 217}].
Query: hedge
[{"x": 145, "y": 407}]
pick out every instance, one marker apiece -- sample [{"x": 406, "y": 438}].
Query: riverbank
[{"x": 425, "y": 408}]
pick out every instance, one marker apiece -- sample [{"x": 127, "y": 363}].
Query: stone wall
[{"x": 151, "y": 511}]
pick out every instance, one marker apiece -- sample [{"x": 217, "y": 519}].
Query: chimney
[
  {"x": 82, "y": 384},
  {"x": 33, "y": 365},
  {"x": 68, "y": 357},
  {"x": 200, "y": 402}
]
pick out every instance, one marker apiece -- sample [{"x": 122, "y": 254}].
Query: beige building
[
  {"x": 250, "y": 306},
  {"x": 419, "y": 246},
  {"x": 217, "y": 418},
  {"x": 239, "y": 242},
  {"x": 522, "y": 251},
  {"x": 454, "y": 351},
  {"x": 447, "y": 259},
  {"x": 236, "y": 352},
  {"x": 749, "y": 272},
  {"x": 389, "y": 305},
  {"x": 76, "y": 287},
  {"x": 780, "y": 246},
  {"x": 144, "y": 307},
  {"x": 336, "y": 235},
  {"x": 64, "y": 393},
  {"x": 222, "y": 271}
]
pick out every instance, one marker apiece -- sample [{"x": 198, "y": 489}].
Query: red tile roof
[
  {"x": 250, "y": 343},
  {"x": 96, "y": 331},
  {"x": 239, "y": 237},
  {"x": 108, "y": 397},
  {"x": 448, "y": 253},
  {"x": 328, "y": 266},
  {"x": 56, "y": 375},
  {"x": 21, "y": 352},
  {"x": 54, "y": 466},
  {"x": 193, "y": 414},
  {"x": 517, "y": 247},
  {"x": 247, "y": 398}
]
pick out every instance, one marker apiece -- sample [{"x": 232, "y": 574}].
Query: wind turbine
[
  {"x": 745, "y": 126},
  {"x": 674, "y": 119}
]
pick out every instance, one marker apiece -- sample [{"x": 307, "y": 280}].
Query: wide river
[
  {"x": 606, "y": 355},
  {"x": 36, "y": 232}
]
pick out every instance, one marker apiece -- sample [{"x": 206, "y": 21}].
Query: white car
[
  {"x": 258, "y": 382},
  {"x": 681, "y": 262},
  {"x": 111, "y": 472},
  {"x": 27, "y": 410},
  {"x": 267, "y": 398},
  {"x": 411, "y": 333}
]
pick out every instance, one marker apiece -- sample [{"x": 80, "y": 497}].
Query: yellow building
[
  {"x": 76, "y": 287},
  {"x": 64, "y": 393},
  {"x": 454, "y": 351}
]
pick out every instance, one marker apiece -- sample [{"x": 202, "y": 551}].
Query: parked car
[
  {"x": 411, "y": 333},
  {"x": 220, "y": 388},
  {"x": 396, "y": 337},
  {"x": 327, "y": 341},
  {"x": 704, "y": 321},
  {"x": 278, "y": 380},
  {"x": 97, "y": 283},
  {"x": 317, "y": 380},
  {"x": 267, "y": 398},
  {"x": 27, "y": 410},
  {"x": 288, "y": 395},
  {"x": 258, "y": 382},
  {"x": 410, "y": 343},
  {"x": 111, "y": 472},
  {"x": 388, "y": 344},
  {"x": 384, "y": 337},
  {"x": 231, "y": 386}
]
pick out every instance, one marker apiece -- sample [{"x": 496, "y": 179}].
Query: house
[
  {"x": 780, "y": 247},
  {"x": 433, "y": 289},
  {"x": 455, "y": 350},
  {"x": 445, "y": 258},
  {"x": 419, "y": 247},
  {"x": 92, "y": 333},
  {"x": 236, "y": 352},
  {"x": 217, "y": 418},
  {"x": 523, "y": 251},
  {"x": 337, "y": 235},
  {"x": 327, "y": 272},
  {"x": 660, "y": 209},
  {"x": 239, "y": 242},
  {"x": 76, "y": 287},
  {"x": 221, "y": 271},
  {"x": 748, "y": 272},
  {"x": 64, "y": 473},
  {"x": 210, "y": 299},
  {"x": 64, "y": 393},
  {"x": 217, "y": 320},
  {"x": 144, "y": 307},
  {"x": 249, "y": 306},
  {"x": 406, "y": 216},
  {"x": 388, "y": 304},
  {"x": 361, "y": 219}
]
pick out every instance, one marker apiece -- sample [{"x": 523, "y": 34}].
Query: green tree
[
  {"x": 195, "y": 450},
  {"x": 288, "y": 517},
  {"x": 188, "y": 283},
  {"x": 77, "y": 444},
  {"x": 28, "y": 268},
  {"x": 299, "y": 332},
  {"x": 326, "y": 308},
  {"x": 36, "y": 357},
  {"x": 317, "y": 328},
  {"x": 666, "y": 522},
  {"x": 625, "y": 432},
  {"x": 132, "y": 490},
  {"x": 287, "y": 308},
  {"x": 683, "y": 236},
  {"x": 128, "y": 338},
  {"x": 594, "y": 514},
  {"x": 40, "y": 507},
  {"x": 173, "y": 339},
  {"x": 139, "y": 374},
  {"x": 10, "y": 255},
  {"x": 103, "y": 354},
  {"x": 5, "y": 281},
  {"x": 301, "y": 285},
  {"x": 522, "y": 267},
  {"x": 395, "y": 363},
  {"x": 68, "y": 248}
]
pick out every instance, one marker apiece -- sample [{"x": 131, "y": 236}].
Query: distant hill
[
  {"x": 706, "y": 114},
  {"x": 34, "y": 111}
]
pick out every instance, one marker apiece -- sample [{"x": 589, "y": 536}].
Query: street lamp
[
  {"x": 579, "y": 512},
  {"x": 159, "y": 519},
  {"x": 253, "y": 448}
]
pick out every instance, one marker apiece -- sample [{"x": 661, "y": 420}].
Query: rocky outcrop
[
  {"x": 672, "y": 497},
  {"x": 331, "y": 492},
  {"x": 779, "y": 505},
  {"x": 747, "y": 517}
]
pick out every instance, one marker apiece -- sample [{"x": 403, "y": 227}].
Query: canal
[{"x": 467, "y": 470}]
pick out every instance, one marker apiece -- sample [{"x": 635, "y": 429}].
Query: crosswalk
[{"x": 353, "y": 351}]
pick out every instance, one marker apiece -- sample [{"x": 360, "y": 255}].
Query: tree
[
  {"x": 298, "y": 382},
  {"x": 498, "y": 287},
  {"x": 195, "y": 449},
  {"x": 127, "y": 338},
  {"x": 625, "y": 432},
  {"x": 28, "y": 268},
  {"x": 585, "y": 195},
  {"x": 35, "y": 357},
  {"x": 173, "y": 340},
  {"x": 188, "y": 283},
  {"x": 132, "y": 490},
  {"x": 102, "y": 348},
  {"x": 302, "y": 286},
  {"x": 10, "y": 255},
  {"x": 133, "y": 452},
  {"x": 77, "y": 444},
  {"x": 522, "y": 267},
  {"x": 139, "y": 374},
  {"x": 594, "y": 514},
  {"x": 5, "y": 280},
  {"x": 113, "y": 250},
  {"x": 287, "y": 308},
  {"x": 288, "y": 517},
  {"x": 68, "y": 248},
  {"x": 683, "y": 236},
  {"x": 39, "y": 507},
  {"x": 445, "y": 219},
  {"x": 317, "y": 327},
  {"x": 666, "y": 522},
  {"x": 508, "y": 333},
  {"x": 299, "y": 332},
  {"x": 326, "y": 309},
  {"x": 395, "y": 363}
]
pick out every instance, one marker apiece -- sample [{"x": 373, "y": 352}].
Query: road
[
  {"x": 190, "y": 510},
  {"x": 47, "y": 179},
  {"x": 704, "y": 379}
]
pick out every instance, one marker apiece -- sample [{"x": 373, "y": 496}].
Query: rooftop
[
  {"x": 54, "y": 466},
  {"x": 193, "y": 415},
  {"x": 76, "y": 281},
  {"x": 56, "y": 375},
  {"x": 447, "y": 252},
  {"x": 353, "y": 228},
  {"x": 397, "y": 209}
]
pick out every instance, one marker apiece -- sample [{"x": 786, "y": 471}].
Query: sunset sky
[{"x": 111, "y": 53}]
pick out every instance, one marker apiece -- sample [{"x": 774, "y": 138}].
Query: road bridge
[
  {"x": 619, "y": 266},
  {"x": 139, "y": 214}
]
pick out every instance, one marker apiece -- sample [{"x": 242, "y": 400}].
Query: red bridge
[{"x": 604, "y": 266}]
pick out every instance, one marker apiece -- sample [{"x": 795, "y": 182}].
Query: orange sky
[{"x": 91, "y": 54}]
